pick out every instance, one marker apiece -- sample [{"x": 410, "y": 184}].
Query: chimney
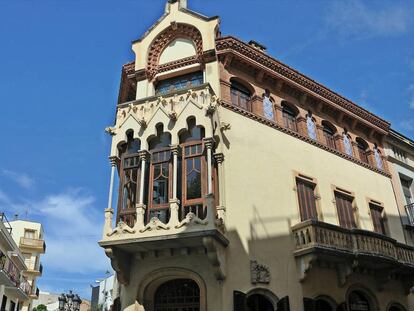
[{"x": 257, "y": 46}]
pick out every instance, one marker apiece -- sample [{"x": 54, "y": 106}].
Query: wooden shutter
[
  {"x": 345, "y": 210},
  {"x": 239, "y": 301},
  {"x": 309, "y": 304},
  {"x": 307, "y": 203},
  {"x": 283, "y": 304},
  {"x": 377, "y": 219}
]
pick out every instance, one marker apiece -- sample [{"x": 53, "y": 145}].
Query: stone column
[
  {"x": 301, "y": 126},
  {"x": 174, "y": 201},
  {"x": 221, "y": 209},
  {"x": 339, "y": 143},
  {"x": 109, "y": 211},
  {"x": 208, "y": 143},
  {"x": 279, "y": 114},
  {"x": 319, "y": 134},
  {"x": 140, "y": 207}
]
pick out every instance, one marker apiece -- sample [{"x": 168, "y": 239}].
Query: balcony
[
  {"x": 409, "y": 208},
  {"x": 35, "y": 271},
  {"x": 172, "y": 225},
  {"x": 35, "y": 293},
  {"x": 32, "y": 245},
  {"x": 351, "y": 251},
  {"x": 10, "y": 276}
]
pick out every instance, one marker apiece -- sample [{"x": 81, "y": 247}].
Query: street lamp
[{"x": 69, "y": 302}]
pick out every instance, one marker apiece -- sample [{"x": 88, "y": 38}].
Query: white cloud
[
  {"x": 355, "y": 19},
  {"x": 23, "y": 180},
  {"x": 72, "y": 227}
]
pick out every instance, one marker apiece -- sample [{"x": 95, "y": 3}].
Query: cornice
[
  {"x": 231, "y": 44},
  {"x": 300, "y": 136}
]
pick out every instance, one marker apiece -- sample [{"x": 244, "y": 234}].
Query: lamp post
[{"x": 69, "y": 302}]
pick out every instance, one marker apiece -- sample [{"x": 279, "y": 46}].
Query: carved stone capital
[
  {"x": 143, "y": 155},
  {"x": 114, "y": 160},
  {"x": 219, "y": 157},
  {"x": 175, "y": 149},
  {"x": 209, "y": 142}
]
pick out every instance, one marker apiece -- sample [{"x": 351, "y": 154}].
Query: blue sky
[{"x": 60, "y": 65}]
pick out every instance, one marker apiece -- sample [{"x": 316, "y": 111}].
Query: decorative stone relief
[
  {"x": 259, "y": 273},
  {"x": 155, "y": 224},
  {"x": 110, "y": 130},
  {"x": 190, "y": 219},
  {"x": 121, "y": 228}
]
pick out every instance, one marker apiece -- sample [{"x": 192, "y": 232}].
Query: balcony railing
[
  {"x": 10, "y": 269},
  {"x": 35, "y": 244},
  {"x": 409, "y": 208},
  {"x": 311, "y": 236},
  {"x": 6, "y": 222},
  {"x": 25, "y": 286}
]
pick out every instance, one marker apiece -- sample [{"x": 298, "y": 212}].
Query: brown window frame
[
  {"x": 289, "y": 118},
  {"x": 128, "y": 163},
  {"x": 350, "y": 223},
  {"x": 362, "y": 147},
  {"x": 240, "y": 95},
  {"x": 153, "y": 163},
  {"x": 187, "y": 204},
  {"x": 329, "y": 136},
  {"x": 306, "y": 211},
  {"x": 378, "y": 221}
]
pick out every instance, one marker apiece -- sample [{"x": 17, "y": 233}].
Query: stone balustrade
[{"x": 314, "y": 235}]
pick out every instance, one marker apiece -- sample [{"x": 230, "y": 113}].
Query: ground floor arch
[{"x": 172, "y": 289}]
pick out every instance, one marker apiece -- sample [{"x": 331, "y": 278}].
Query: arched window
[
  {"x": 160, "y": 176},
  {"x": 240, "y": 95},
  {"x": 378, "y": 158},
  {"x": 347, "y": 143},
  {"x": 358, "y": 301},
  {"x": 129, "y": 179},
  {"x": 310, "y": 125},
  {"x": 268, "y": 106},
  {"x": 329, "y": 134},
  {"x": 289, "y": 116},
  {"x": 362, "y": 149},
  {"x": 178, "y": 294},
  {"x": 194, "y": 171}
]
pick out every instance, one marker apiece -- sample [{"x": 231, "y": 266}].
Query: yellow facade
[{"x": 245, "y": 244}]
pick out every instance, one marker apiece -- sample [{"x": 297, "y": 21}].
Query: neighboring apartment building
[
  {"x": 400, "y": 152},
  {"x": 245, "y": 185},
  {"x": 30, "y": 238},
  {"x": 14, "y": 287},
  {"x": 102, "y": 294}
]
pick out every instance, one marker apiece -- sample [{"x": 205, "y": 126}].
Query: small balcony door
[{"x": 345, "y": 210}]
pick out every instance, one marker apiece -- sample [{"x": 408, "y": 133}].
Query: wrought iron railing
[
  {"x": 409, "y": 208},
  {"x": 6, "y": 222},
  {"x": 310, "y": 235}
]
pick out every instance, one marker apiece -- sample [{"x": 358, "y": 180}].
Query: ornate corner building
[{"x": 245, "y": 185}]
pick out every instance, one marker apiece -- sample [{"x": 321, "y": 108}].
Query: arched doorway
[
  {"x": 358, "y": 301},
  {"x": 396, "y": 307},
  {"x": 259, "y": 302},
  {"x": 177, "y": 295}
]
